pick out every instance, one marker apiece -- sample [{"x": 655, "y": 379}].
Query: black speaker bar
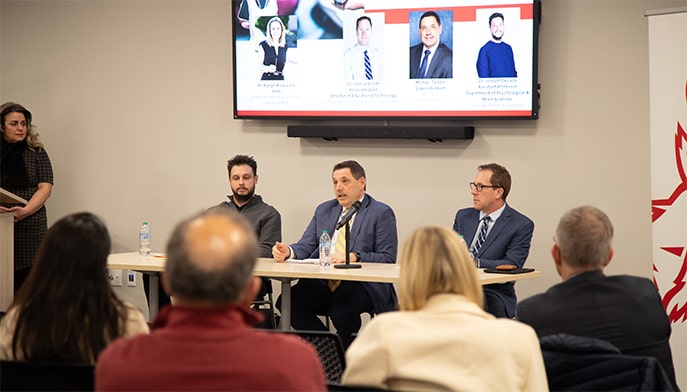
[{"x": 334, "y": 132}]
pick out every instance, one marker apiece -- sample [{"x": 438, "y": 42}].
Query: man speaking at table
[{"x": 373, "y": 238}]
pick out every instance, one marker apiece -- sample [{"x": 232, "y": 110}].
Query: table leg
[
  {"x": 285, "y": 323},
  {"x": 153, "y": 300}
]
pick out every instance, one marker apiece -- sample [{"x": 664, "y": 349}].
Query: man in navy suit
[
  {"x": 431, "y": 58},
  {"x": 623, "y": 310},
  {"x": 495, "y": 233},
  {"x": 373, "y": 238}
]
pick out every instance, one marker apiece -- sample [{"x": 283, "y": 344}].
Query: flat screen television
[{"x": 385, "y": 59}]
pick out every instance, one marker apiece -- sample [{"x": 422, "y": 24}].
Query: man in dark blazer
[
  {"x": 623, "y": 310},
  {"x": 439, "y": 57},
  {"x": 505, "y": 239},
  {"x": 373, "y": 238}
]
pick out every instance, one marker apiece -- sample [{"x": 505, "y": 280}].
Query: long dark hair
[{"x": 67, "y": 311}]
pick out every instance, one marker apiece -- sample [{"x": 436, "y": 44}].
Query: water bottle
[
  {"x": 144, "y": 240},
  {"x": 325, "y": 249}
]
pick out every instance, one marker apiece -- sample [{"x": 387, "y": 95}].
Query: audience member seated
[
  {"x": 442, "y": 339},
  {"x": 623, "y": 310},
  {"x": 204, "y": 341},
  {"x": 66, "y": 310}
]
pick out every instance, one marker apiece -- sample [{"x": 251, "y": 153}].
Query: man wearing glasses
[{"x": 495, "y": 233}]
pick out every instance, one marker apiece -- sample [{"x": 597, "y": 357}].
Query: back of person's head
[
  {"x": 242, "y": 160},
  {"x": 585, "y": 237},
  {"x": 67, "y": 309},
  {"x": 499, "y": 177},
  {"x": 210, "y": 258},
  {"x": 32, "y": 139},
  {"x": 435, "y": 260}
]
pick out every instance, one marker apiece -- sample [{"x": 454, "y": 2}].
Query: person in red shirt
[{"x": 203, "y": 341}]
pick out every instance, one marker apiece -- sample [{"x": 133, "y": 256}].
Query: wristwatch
[
  {"x": 340, "y": 3},
  {"x": 357, "y": 257}
]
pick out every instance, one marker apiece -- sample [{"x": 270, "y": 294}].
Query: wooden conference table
[{"x": 288, "y": 272}]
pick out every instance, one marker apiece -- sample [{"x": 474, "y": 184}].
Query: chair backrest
[
  {"x": 43, "y": 376},
  {"x": 330, "y": 350},
  {"x": 575, "y": 363}
]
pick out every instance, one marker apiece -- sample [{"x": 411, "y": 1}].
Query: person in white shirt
[{"x": 362, "y": 61}]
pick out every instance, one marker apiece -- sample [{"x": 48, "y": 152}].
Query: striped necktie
[
  {"x": 339, "y": 247},
  {"x": 482, "y": 235},
  {"x": 423, "y": 67},
  {"x": 368, "y": 66}
]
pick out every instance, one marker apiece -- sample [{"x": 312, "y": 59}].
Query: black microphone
[{"x": 349, "y": 214}]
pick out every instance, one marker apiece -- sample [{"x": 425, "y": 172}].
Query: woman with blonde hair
[
  {"x": 442, "y": 339},
  {"x": 273, "y": 50}
]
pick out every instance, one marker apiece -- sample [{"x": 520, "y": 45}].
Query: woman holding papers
[
  {"x": 26, "y": 172},
  {"x": 442, "y": 339}
]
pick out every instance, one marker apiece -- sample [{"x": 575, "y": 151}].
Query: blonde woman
[
  {"x": 273, "y": 50},
  {"x": 442, "y": 339}
]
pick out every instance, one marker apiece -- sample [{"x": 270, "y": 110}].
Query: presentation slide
[{"x": 389, "y": 59}]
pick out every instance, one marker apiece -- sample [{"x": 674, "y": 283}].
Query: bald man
[{"x": 204, "y": 341}]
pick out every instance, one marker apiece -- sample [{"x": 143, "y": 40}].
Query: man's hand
[
  {"x": 280, "y": 252},
  {"x": 340, "y": 258}
]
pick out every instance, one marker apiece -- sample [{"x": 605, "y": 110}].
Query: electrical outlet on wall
[
  {"x": 131, "y": 279},
  {"x": 115, "y": 277}
]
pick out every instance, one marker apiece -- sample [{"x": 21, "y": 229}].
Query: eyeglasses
[{"x": 479, "y": 187}]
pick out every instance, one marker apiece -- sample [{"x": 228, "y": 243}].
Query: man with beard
[
  {"x": 495, "y": 58},
  {"x": 243, "y": 176}
]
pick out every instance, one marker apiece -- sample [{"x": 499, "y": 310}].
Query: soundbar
[{"x": 335, "y": 132}]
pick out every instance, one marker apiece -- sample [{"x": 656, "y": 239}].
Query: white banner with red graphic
[{"x": 668, "y": 109}]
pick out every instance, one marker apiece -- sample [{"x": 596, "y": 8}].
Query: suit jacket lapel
[
  {"x": 359, "y": 220},
  {"x": 334, "y": 215},
  {"x": 498, "y": 227},
  {"x": 471, "y": 223}
]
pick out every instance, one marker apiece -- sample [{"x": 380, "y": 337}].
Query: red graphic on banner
[
  {"x": 676, "y": 312},
  {"x": 680, "y": 140}
]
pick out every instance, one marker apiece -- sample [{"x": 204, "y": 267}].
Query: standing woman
[
  {"x": 25, "y": 170},
  {"x": 274, "y": 50}
]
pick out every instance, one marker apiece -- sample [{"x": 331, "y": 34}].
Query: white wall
[{"x": 133, "y": 100}]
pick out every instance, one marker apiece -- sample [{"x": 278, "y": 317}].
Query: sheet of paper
[{"x": 304, "y": 261}]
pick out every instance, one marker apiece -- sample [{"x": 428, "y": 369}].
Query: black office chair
[
  {"x": 44, "y": 376},
  {"x": 330, "y": 350},
  {"x": 576, "y": 363},
  {"x": 264, "y": 304},
  {"x": 357, "y": 388}
]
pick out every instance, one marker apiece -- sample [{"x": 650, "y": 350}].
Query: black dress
[
  {"x": 271, "y": 57},
  {"x": 29, "y": 232}
]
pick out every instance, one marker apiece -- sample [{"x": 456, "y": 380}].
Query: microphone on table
[{"x": 348, "y": 215}]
